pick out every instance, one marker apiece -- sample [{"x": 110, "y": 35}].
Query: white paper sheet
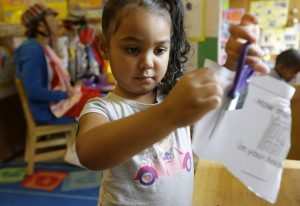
[{"x": 251, "y": 142}]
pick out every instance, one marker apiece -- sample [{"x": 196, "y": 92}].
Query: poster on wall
[
  {"x": 273, "y": 41},
  {"x": 288, "y": 36},
  {"x": 270, "y": 13},
  {"x": 230, "y": 17},
  {"x": 195, "y": 18},
  {"x": 13, "y": 9}
]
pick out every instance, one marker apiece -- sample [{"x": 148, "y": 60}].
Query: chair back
[{"x": 25, "y": 104}]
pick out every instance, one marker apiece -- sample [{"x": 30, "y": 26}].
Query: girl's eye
[
  {"x": 132, "y": 50},
  {"x": 160, "y": 51}
]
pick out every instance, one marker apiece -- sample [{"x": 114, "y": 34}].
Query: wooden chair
[{"x": 41, "y": 145}]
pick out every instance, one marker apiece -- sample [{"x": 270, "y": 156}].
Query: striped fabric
[{"x": 35, "y": 13}]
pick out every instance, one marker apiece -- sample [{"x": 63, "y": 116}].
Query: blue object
[
  {"x": 14, "y": 194},
  {"x": 243, "y": 73}
]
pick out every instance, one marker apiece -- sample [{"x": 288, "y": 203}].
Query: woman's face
[{"x": 52, "y": 25}]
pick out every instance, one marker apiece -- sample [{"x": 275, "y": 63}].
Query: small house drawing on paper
[{"x": 275, "y": 138}]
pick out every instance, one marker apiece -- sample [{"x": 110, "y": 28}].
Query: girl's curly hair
[{"x": 180, "y": 46}]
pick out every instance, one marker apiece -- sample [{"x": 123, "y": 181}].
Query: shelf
[{"x": 9, "y": 29}]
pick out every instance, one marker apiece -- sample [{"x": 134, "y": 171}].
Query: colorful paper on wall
[
  {"x": 60, "y": 6},
  {"x": 270, "y": 13},
  {"x": 13, "y": 9},
  {"x": 87, "y": 4},
  {"x": 288, "y": 38},
  {"x": 195, "y": 18},
  {"x": 233, "y": 15}
]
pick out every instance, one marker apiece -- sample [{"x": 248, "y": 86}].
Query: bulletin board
[
  {"x": 270, "y": 13},
  {"x": 287, "y": 36},
  {"x": 12, "y": 10},
  {"x": 195, "y": 19},
  {"x": 230, "y": 17}
]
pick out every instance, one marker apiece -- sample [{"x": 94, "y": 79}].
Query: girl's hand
[
  {"x": 194, "y": 95},
  {"x": 247, "y": 30}
]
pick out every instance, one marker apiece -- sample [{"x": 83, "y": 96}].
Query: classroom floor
[{"x": 52, "y": 183}]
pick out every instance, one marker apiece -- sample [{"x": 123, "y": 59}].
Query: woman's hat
[{"x": 35, "y": 13}]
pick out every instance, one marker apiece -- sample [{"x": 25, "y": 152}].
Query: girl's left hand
[{"x": 247, "y": 30}]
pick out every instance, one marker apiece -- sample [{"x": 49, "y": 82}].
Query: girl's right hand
[{"x": 194, "y": 95}]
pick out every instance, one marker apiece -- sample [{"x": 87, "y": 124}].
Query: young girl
[{"x": 141, "y": 142}]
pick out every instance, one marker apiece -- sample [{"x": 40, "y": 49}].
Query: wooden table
[
  {"x": 215, "y": 186},
  {"x": 295, "y": 130}
]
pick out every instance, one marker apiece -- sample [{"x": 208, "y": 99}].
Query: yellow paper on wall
[
  {"x": 60, "y": 6},
  {"x": 87, "y": 4},
  {"x": 12, "y": 10},
  {"x": 270, "y": 13}
]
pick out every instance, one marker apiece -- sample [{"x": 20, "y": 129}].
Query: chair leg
[
  {"x": 31, "y": 154},
  {"x": 68, "y": 136},
  {"x": 27, "y": 147}
]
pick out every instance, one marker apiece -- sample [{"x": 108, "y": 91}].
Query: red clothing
[
  {"x": 87, "y": 93},
  {"x": 61, "y": 79}
]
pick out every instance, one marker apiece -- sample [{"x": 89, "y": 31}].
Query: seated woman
[{"x": 51, "y": 97}]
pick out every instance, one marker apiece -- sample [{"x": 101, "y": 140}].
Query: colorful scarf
[{"x": 61, "y": 82}]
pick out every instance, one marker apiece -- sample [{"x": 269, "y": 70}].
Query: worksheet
[{"x": 252, "y": 142}]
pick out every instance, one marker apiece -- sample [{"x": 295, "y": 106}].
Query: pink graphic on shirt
[{"x": 168, "y": 165}]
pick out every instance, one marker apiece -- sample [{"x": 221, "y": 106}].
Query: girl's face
[{"x": 139, "y": 52}]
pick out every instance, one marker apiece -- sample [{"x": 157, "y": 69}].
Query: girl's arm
[{"x": 102, "y": 144}]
